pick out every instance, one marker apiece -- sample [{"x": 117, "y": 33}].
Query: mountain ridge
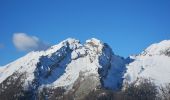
[{"x": 80, "y": 68}]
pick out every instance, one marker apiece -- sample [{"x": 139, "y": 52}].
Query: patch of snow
[
  {"x": 78, "y": 53},
  {"x": 94, "y": 40},
  {"x": 73, "y": 69}
]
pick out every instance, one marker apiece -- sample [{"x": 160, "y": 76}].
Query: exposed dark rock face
[
  {"x": 12, "y": 88},
  {"x": 167, "y": 52}
]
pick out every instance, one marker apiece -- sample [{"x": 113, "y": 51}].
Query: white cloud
[{"x": 24, "y": 42}]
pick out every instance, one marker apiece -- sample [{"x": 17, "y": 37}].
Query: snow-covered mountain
[
  {"x": 153, "y": 63},
  {"x": 77, "y": 69},
  {"x": 68, "y": 66}
]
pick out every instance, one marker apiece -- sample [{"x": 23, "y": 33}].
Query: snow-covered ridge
[
  {"x": 153, "y": 64},
  {"x": 158, "y": 48},
  {"x": 62, "y": 65}
]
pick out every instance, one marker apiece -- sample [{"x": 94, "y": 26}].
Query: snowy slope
[
  {"x": 153, "y": 63},
  {"x": 1, "y": 69}
]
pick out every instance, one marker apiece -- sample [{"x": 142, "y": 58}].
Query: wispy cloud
[{"x": 24, "y": 42}]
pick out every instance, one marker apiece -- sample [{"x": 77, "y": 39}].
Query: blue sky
[{"x": 128, "y": 26}]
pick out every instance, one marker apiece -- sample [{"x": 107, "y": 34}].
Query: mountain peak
[
  {"x": 161, "y": 48},
  {"x": 153, "y": 63},
  {"x": 63, "y": 65},
  {"x": 71, "y": 40},
  {"x": 94, "y": 40}
]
